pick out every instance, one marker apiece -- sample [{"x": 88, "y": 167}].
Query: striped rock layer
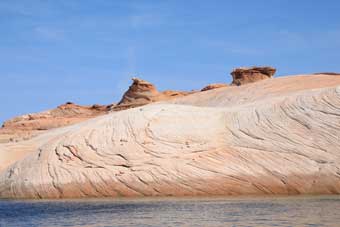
[{"x": 277, "y": 136}]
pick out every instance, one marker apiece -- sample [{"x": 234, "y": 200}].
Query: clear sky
[{"x": 86, "y": 51}]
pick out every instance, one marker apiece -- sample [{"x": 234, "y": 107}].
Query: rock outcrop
[
  {"x": 278, "y": 136},
  {"x": 142, "y": 92},
  {"x": 170, "y": 94},
  {"x": 28, "y": 125},
  {"x": 249, "y": 75},
  {"x": 213, "y": 86},
  {"x": 328, "y": 73},
  {"x": 139, "y": 93}
]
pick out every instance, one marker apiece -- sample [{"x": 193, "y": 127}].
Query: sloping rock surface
[
  {"x": 213, "y": 86},
  {"x": 27, "y": 126},
  {"x": 278, "y": 136}
]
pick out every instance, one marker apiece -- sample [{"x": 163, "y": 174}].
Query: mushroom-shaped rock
[
  {"x": 142, "y": 92},
  {"x": 249, "y": 75}
]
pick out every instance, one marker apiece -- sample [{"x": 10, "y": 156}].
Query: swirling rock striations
[
  {"x": 277, "y": 137},
  {"x": 27, "y": 126},
  {"x": 139, "y": 93}
]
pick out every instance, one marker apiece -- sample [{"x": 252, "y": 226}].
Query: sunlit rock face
[
  {"x": 250, "y": 75},
  {"x": 278, "y": 136},
  {"x": 28, "y": 126}
]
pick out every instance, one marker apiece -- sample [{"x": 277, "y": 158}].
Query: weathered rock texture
[
  {"x": 213, "y": 86},
  {"x": 26, "y": 126},
  {"x": 279, "y": 136},
  {"x": 142, "y": 92},
  {"x": 249, "y": 75}
]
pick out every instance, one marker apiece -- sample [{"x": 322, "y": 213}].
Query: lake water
[{"x": 240, "y": 211}]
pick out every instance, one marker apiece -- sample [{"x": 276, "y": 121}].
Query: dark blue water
[{"x": 267, "y": 211}]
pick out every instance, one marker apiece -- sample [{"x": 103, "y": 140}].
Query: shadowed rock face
[
  {"x": 249, "y": 75},
  {"x": 328, "y": 73}
]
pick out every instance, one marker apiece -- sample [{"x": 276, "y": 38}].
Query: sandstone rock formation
[
  {"x": 28, "y": 125},
  {"x": 213, "y": 86},
  {"x": 278, "y": 136},
  {"x": 249, "y": 75},
  {"x": 142, "y": 92}
]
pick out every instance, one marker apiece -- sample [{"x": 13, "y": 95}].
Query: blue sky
[{"x": 86, "y": 51}]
